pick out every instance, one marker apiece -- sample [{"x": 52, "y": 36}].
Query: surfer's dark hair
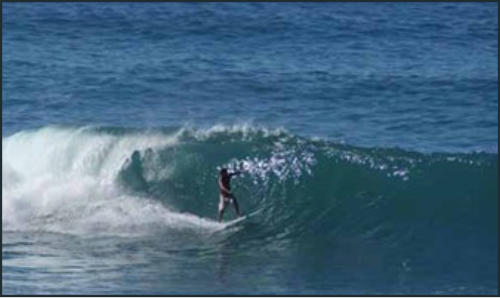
[{"x": 222, "y": 170}]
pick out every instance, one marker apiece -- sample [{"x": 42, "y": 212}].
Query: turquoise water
[{"x": 366, "y": 134}]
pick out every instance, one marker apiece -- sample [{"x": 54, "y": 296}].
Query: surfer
[{"x": 226, "y": 197}]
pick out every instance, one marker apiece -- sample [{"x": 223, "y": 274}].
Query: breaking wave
[{"x": 125, "y": 181}]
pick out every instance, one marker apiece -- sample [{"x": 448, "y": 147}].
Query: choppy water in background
[{"x": 367, "y": 134}]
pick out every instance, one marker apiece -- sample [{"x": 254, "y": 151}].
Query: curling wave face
[{"x": 128, "y": 181}]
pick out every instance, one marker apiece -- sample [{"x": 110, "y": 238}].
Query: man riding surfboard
[{"x": 225, "y": 195}]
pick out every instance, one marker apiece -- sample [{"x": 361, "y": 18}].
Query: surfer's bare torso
[{"x": 224, "y": 187}]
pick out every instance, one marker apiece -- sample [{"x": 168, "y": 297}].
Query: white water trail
[{"x": 64, "y": 180}]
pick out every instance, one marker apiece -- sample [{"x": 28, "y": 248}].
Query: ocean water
[{"x": 367, "y": 134}]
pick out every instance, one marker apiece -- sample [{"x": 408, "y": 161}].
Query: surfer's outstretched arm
[{"x": 235, "y": 173}]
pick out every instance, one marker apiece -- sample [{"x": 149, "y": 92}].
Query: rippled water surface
[{"x": 367, "y": 135}]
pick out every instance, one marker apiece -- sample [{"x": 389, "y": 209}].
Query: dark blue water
[{"x": 367, "y": 134}]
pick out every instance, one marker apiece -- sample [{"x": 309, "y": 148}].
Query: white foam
[
  {"x": 63, "y": 180},
  {"x": 243, "y": 130}
]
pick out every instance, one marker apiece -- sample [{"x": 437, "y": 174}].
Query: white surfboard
[
  {"x": 241, "y": 218},
  {"x": 234, "y": 221}
]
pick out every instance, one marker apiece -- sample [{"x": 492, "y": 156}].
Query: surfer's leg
[
  {"x": 220, "y": 214},
  {"x": 222, "y": 206},
  {"x": 235, "y": 204}
]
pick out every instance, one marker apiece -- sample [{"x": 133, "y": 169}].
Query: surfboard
[
  {"x": 235, "y": 221},
  {"x": 241, "y": 218}
]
